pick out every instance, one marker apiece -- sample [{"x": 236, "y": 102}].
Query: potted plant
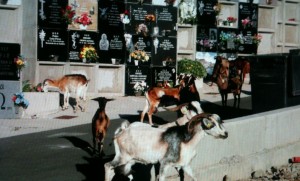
[
  {"x": 194, "y": 67},
  {"x": 41, "y": 103}
]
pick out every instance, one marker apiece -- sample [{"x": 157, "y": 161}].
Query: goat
[
  {"x": 100, "y": 123},
  {"x": 76, "y": 83},
  {"x": 185, "y": 92},
  {"x": 243, "y": 64},
  {"x": 153, "y": 99},
  {"x": 175, "y": 146},
  {"x": 229, "y": 80},
  {"x": 188, "y": 110}
]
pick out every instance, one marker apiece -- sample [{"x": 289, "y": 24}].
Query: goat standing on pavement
[
  {"x": 100, "y": 124},
  {"x": 229, "y": 79},
  {"x": 175, "y": 146},
  {"x": 76, "y": 83},
  {"x": 184, "y": 92}
]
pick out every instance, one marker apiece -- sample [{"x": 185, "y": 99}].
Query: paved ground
[{"x": 119, "y": 108}]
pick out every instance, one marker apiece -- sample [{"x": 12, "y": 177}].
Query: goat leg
[
  {"x": 188, "y": 170},
  {"x": 162, "y": 171},
  {"x": 146, "y": 108},
  {"x": 109, "y": 171}
]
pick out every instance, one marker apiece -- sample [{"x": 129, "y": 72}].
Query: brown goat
[
  {"x": 153, "y": 97},
  {"x": 229, "y": 80},
  {"x": 76, "y": 83},
  {"x": 100, "y": 124}
]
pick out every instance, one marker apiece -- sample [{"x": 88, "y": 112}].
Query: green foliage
[
  {"x": 193, "y": 67},
  {"x": 26, "y": 86}
]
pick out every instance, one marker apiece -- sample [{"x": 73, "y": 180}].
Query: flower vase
[
  {"x": 18, "y": 73},
  {"x": 231, "y": 24},
  {"x": 136, "y": 62},
  {"x": 138, "y": 93},
  {"x": 84, "y": 60},
  {"x": 17, "y": 109},
  {"x": 83, "y": 27}
]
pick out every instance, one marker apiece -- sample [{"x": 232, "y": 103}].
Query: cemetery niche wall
[
  {"x": 152, "y": 30},
  {"x": 9, "y": 80},
  {"x": 227, "y": 27},
  {"x": 114, "y": 29}
]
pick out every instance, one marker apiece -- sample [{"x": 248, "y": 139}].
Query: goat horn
[{"x": 191, "y": 123}]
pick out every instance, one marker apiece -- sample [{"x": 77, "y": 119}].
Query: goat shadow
[
  {"x": 72, "y": 101},
  {"x": 94, "y": 168}
]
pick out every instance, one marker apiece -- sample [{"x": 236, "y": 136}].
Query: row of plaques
[
  {"x": 105, "y": 15},
  {"x": 231, "y": 40},
  {"x": 67, "y": 45},
  {"x": 153, "y": 76}
]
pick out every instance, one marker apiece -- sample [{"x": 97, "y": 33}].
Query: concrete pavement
[{"x": 127, "y": 105}]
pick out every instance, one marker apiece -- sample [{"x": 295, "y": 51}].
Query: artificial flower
[
  {"x": 20, "y": 62},
  {"x": 84, "y": 19},
  {"x": 139, "y": 55},
  {"x": 68, "y": 14}
]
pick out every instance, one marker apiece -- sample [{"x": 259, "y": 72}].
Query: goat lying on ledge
[
  {"x": 188, "y": 110},
  {"x": 100, "y": 124},
  {"x": 76, "y": 83},
  {"x": 140, "y": 143}
]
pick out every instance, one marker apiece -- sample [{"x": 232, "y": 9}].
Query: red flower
[
  {"x": 126, "y": 12},
  {"x": 68, "y": 8},
  {"x": 84, "y": 19},
  {"x": 14, "y": 98}
]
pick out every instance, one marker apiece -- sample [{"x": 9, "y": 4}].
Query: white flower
[{"x": 140, "y": 86}]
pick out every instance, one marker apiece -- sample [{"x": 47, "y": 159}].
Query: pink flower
[{"x": 245, "y": 22}]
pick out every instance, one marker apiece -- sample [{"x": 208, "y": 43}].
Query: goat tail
[{"x": 123, "y": 126}]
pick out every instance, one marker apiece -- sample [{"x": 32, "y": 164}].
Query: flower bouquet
[
  {"x": 256, "y": 39},
  {"x": 217, "y": 9},
  {"x": 124, "y": 17},
  {"x": 140, "y": 87},
  {"x": 88, "y": 54},
  {"x": 20, "y": 62},
  {"x": 84, "y": 19},
  {"x": 150, "y": 18},
  {"x": 19, "y": 100},
  {"x": 139, "y": 55},
  {"x": 68, "y": 14},
  {"x": 231, "y": 19},
  {"x": 246, "y": 22}
]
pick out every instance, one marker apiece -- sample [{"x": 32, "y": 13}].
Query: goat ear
[{"x": 207, "y": 123}]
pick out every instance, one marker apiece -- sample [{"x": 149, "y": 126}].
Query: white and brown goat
[
  {"x": 100, "y": 123},
  {"x": 67, "y": 84},
  {"x": 184, "y": 92},
  {"x": 175, "y": 146},
  {"x": 153, "y": 99}
]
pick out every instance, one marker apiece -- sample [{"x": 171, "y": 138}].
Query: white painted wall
[{"x": 255, "y": 142}]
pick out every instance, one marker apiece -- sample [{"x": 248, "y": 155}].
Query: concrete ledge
[
  {"x": 255, "y": 142},
  {"x": 41, "y": 103}
]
